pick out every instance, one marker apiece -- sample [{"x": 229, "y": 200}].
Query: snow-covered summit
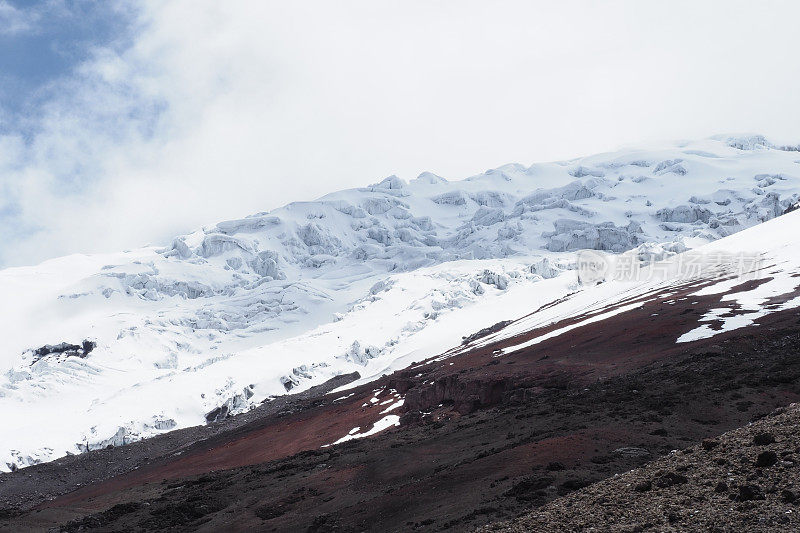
[{"x": 365, "y": 279}]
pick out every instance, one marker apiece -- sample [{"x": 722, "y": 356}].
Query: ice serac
[
  {"x": 366, "y": 279},
  {"x": 684, "y": 214},
  {"x": 570, "y": 235}
]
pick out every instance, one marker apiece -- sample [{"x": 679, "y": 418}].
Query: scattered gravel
[{"x": 746, "y": 480}]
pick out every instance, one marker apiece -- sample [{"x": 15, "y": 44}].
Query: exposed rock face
[
  {"x": 215, "y": 415},
  {"x": 485, "y": 332},
  {"x": 68, "y": 350},
  {"x": 465, "y": 396}
]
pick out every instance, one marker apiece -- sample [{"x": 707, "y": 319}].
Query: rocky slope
[
  {"x": 589, "y": 384},
  {"x": 744, "y": 480}
]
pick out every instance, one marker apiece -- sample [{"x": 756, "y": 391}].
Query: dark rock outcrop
[
  {"x": 215, "y": 415},
  {"x": 763, "y": 439},
  {"x": 69, "y": 350},
  {"x": 466, "y": 396},
  {"x": 485, "y": 332}
]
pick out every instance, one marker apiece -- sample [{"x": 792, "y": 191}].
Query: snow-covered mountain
[
  {"x": 367, "y": 279},
  {"x": 749, "y": 275}
]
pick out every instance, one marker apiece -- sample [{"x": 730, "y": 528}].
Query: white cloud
[
  {"x": 261, "y": 103},
  {"x": 14, "y": 21}
]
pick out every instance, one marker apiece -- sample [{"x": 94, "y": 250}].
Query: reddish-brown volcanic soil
[{"x": 481, "y": 439}]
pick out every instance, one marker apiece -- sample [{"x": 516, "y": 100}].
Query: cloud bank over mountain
[{"x": 193, "y": 113}]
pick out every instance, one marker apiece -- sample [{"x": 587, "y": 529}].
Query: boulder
[{"x": 69, "y": 350}]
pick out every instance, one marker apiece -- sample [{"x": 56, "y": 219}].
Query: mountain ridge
[{"x": 243, "y": 310}]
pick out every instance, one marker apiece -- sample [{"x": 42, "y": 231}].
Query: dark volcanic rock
[
  {"x": 669, "y": 479},
  {"x": 531, "y": 488},
  {"x": 574, "y": 484},
  {"x": 485, "y": 332},
  {"x": 766, "y": 459},
  {"x": 69, "y": 350},
  {"x": 215, "y": 415},
  {"x": 703, "y": 503},
  {"x": 9, "y": 513},
  {"x": 466, "y": 396},
  {"x": 763, "y": 439},
  {"x": 56, "y": 348},
  {"x": 750, "y": 492}
]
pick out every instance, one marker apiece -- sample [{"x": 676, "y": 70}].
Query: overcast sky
[{"x": 126, "y": 123}]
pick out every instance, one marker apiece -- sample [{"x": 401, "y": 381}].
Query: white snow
[
  {"x": 394, "y": 406},
  {"x": 368, "y": 280},
  {"x": 776, "y": 243},
  {"x": 384, "y": 423},
  {"x": 777, "y": 277}
]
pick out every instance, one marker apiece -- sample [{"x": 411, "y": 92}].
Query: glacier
[{"x": 368, "y": 280}]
